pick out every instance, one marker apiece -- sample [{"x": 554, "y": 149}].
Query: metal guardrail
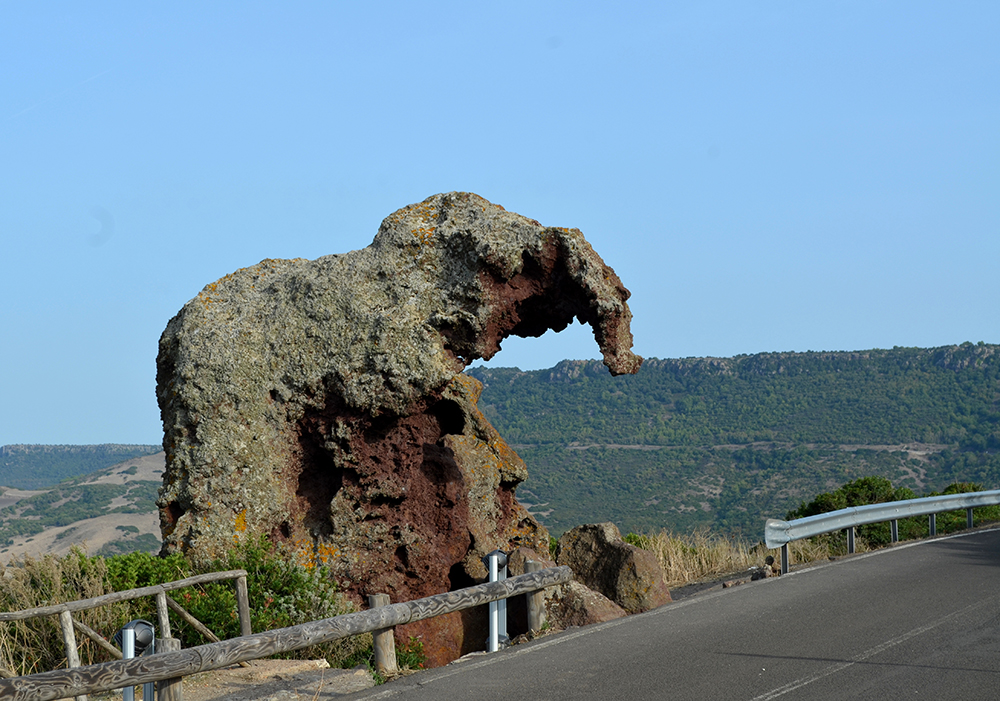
[{"x": 779, "y": 533}]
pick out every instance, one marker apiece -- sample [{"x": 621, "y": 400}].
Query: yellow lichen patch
[
  {"x": 310, "y": 554},
  {"x": 424, "y": 234}
]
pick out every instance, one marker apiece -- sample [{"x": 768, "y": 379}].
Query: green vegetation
[
  {"x": 282, "y": 593},
  {"x": 725, "y": 443},
  {"x": 879, "y": 490},
  {"x": 40, "y": 466}
]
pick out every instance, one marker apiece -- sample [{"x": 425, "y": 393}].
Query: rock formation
[
  {"x": 322, "y": 402},
  {"x": 629, "y": 576},
  {"x": 567, "y": 605}
]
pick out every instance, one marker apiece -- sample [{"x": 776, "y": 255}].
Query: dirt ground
[{"x": 269, "y": 680}]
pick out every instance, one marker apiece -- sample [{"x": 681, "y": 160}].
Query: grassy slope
[{"x": 112, "y": 510}]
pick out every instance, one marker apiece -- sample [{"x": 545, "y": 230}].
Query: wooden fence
[
  {"x": 170, "y": 667},
  {"x": 163, "y": 602}
]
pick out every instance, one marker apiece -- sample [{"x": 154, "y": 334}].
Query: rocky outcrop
[
  {"x": 573, "y": 604},
  {"x": 567, "y": 605},
  {"x": 600, "y": 559},
  {"x": 322, "y": 402}
]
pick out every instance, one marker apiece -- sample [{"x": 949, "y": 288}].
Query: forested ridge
[
  {"x": 41, "y": 466},
  {"x": 728, "y": 442}
]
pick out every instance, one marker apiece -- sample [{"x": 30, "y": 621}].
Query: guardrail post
[
  {"x": 383, "y": 640},
  {"x": 496, "y": 562},
  {"x": 932, "y": 524},
  {"x": 784, "y": 558},
  {"x": 894, "y": 528},
  {"x": 170, "y": 689},
  {"x": 128, "y": 652},
  {"x": 536, "y": 601},
  {"x": 968, "y": 518},
  {"x": 850, "y": 540}
]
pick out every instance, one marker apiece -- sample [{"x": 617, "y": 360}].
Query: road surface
[{"x": 920, "y": 620}]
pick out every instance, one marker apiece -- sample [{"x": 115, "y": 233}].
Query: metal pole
[
  {"x": 968, "y": 518},
  {"x": 493, "y": 644},
  {"x": 932, "y": 524},
  {"x": 784, "y": 559},
  {"x": 502, "y": 638},
  {"x": 496, "y": 564},
  {"x": 850, "y": 540},
  {"x": 894, "y": 527},
  {"x": 128, "y": 652}
]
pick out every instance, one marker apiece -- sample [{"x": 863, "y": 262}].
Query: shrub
[
  {"x": 878, "y": 490},
  {"x": 282, "y": 593}
]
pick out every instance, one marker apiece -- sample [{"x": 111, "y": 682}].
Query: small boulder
[
  {"x": 518, "y": 558},
  {"x": 573, "y": 604},
  {"x": 600, "y": 559}
]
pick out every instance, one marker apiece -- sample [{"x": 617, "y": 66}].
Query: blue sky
[{"x": 764, "y": 176}]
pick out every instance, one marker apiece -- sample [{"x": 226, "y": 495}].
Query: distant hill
[
  {"x": 40, "y": 466},
  {"x": 109, "y": 511},
  {"x": 727, "y": 442}
]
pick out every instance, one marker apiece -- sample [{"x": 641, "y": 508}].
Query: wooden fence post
[
  {"x": 243, "y": 605},
  {"x": 170, "y": 689},
  {"x": 536, "y": 601},
  {"x": 69, "y": 640},
  {"x": 162, "y": 618},
  {"x": 383, "y": 640}
]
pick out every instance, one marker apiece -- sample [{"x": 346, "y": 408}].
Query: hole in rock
[
  {"x": 449, "y": 417},
  {"x": 403, "y": 557},
  {"x": 458, "y": 578},
  {"x": 173, "y": 512},
  {"x": 318, "y": 483},
  {"x": 439, "y": 465}
]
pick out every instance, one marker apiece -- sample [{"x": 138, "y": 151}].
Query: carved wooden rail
[
  {"x": 169, "y": 667},
  {"x": 163, "y": 602}
]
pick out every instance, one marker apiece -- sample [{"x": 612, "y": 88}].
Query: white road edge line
[{"x": 870, "y": 652}]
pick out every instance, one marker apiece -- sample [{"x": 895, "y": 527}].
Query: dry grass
[
  {"x": 702, "y": 555},
  {"x": 35, "y": 645}
]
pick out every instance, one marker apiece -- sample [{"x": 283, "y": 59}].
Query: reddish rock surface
[{"x": 322, "y": 402}]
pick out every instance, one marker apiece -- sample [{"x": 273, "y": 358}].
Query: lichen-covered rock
[
  {"x": 600, "y": 559},
  {"x": 322, "y": 402}
]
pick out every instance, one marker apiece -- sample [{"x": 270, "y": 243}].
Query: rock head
[{"x": 322, "y": 403}]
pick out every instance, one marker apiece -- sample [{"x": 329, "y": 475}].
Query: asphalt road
[{"x": 919, "y": 620}]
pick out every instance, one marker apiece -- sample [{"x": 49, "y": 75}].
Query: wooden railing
[
  {"x": 163, "y": 603},
  {"x": 169, "y": 668}
]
